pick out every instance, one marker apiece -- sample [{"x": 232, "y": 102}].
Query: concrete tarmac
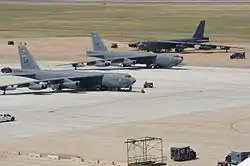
[{"x": 178, "y": 91}]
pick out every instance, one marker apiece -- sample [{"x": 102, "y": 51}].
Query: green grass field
[{"x": 126, "y": 22}]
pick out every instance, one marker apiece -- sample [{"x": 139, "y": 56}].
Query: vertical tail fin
[
  {"x": 97, "y": 42},
  {"x": 199, "y": 33},
  {"x": 26, "y": 59}
]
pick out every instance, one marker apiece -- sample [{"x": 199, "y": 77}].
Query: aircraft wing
[
  {"x": 192, "y": 44},
  {"x": 53, "y": 80},
  {"x": 221, "y": 46},
  {"x": 113, "y": 60},
  {"x": 183, "y": 45},
  {"x": 82, "y": 63},
  {"x": 19, "y": 74}
]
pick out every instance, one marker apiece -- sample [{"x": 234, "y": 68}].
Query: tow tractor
[{"x": 148, "y": 84}]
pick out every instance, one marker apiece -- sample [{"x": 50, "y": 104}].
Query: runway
[{"x": 179, "y": 91}]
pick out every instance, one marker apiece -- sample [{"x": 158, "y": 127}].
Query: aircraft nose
[
  {"x": 177, "y": 60},
  {"x": 132, "y": 80},
  {"x": 140, "y": 44}
]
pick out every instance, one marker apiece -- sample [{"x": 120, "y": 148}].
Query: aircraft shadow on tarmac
[
  {"x": 208, "y": 52},
  {"x": 179, "y": 69},
  {"x": 116, "y": 68},
  {"x": 44, "y": 92},
  {"x": 133, "y": 68},
  {"x": 199, "y": 51},
  {"x": 136, "y": 90}
]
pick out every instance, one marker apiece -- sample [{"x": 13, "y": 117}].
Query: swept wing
[{"x": 52, "y": 81}]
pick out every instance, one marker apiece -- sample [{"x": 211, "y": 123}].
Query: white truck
[{"x": 4, "y": 117}]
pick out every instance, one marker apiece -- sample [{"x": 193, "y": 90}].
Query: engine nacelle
[
  {"x": 133, "y": 45},
  {"x": 102, "y": 64},
  {"x": 203, "y": 47},
  {"x": 6, "y": 70},
  {"x": 12, "y": 87},
  {"x": 71, "y": 85},
  {"x": 128, "y": 62},
  {"x": 78, "y": 64},
  {"x": 179, "y": 46},
  {"x": 56, "y": 86},
  {"x": 225, "y": 48},
  {"x": 37, "y": 86}
]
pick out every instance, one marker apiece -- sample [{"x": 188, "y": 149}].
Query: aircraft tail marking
[
  {"x": 97, "y": 42},
  {"x": 26, "y": 59}
]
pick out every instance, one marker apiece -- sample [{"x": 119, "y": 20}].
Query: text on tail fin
[{"x": 26, "y": 60}]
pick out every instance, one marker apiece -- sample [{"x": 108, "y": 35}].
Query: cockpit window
[{"x": 128, "y": 76}]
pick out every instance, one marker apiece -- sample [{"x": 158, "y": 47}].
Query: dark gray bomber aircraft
[
  {"x": 125, "y": 58},
  {"x": 198, "y": 39},
  {"x": 63, "y": 79}
]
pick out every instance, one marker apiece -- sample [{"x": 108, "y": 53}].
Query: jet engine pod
[
  {"x": 128, "y": 62},
  {"x": 224, "y": 48},
  {"x": 38, "y": 86},
  {"x": 11, "y": 87},
  {"x": 56, "y": 87},
  {"x": 133, "y": 45},
  {"x": 102, "y": 64},
  {"x": 180, "y": 48},
  {"x": 6, "y": 70},
  {"x": 207, "y": 47},
  {"x": 78, "y": 64},
  {"x": 71, "y": 84},
  {"x": 107, "y": 63}
]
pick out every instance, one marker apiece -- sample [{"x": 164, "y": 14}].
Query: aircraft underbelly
[
  {"x": 144, "y": 60},
  {"x": 89, "y": 83}
]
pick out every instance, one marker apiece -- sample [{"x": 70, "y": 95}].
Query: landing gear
[
  {"x": 152, "y": 66},
  {"x": 178, "y": 50},
  {"x": 123, "y": 65},
  {"x": 98, "y": 88},
  {"x": 4, "y": 92},
  {"x": 59, "y": 88},
  {"x": 130, "y": 88},
  {"x": 75, "y": 66}
]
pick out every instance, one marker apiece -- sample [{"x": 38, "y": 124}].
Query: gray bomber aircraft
[
  {"x": 198, "y": 39},
  {"x": 125, "y": 59},
  {"x": 63, "y": 79}
]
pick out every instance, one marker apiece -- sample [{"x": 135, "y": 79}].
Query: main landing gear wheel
[
  {"x": 152, "y": 66},
  {"x": 130, "y": 88},
  {"x": 56, "y": 89},
  {"x": 98, "y": 88}
]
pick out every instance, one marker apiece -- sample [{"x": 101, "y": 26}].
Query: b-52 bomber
[
  {"x": 125, "y": 58},
  {"x": 63, "y": 79},
  {"x": 198, "y": 39}
]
